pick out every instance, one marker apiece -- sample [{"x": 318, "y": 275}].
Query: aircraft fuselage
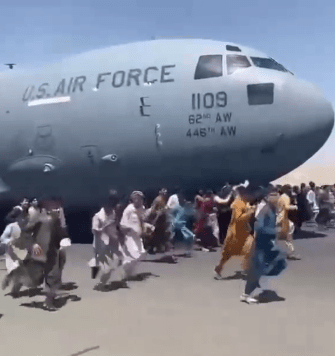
[{"x": 134, "y": 117}]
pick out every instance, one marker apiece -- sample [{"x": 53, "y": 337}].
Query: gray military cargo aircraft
[{"x": 193, "y": 113}]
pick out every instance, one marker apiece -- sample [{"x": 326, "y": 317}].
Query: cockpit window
[
  {"x": 209, "y": 66},
  {"x": 235, "y": 62},
  {"x": 268, "y": 63},
  {"x": 232, "y": 48}
]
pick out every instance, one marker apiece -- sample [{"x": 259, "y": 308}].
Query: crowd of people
[{"x": 243, "y": 222}]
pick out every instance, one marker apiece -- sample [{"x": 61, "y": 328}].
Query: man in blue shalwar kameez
[
  {"x": 267, "y": 258},
  {"x": 182, "y": 234}
]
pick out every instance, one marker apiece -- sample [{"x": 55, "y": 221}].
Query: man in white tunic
[
  {"x": 10, "y": 235},
  {"x": 173, "y": 202},
  {"x": 42, "y": 261},
  {"x": 134, "y": 226},
  {"x": 13, "y": 237},
  {"x": 312, "y": 201},
  {"x": 106, "y": 242}
]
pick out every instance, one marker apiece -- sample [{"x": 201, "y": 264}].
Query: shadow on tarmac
[
  {"x": 305, "y": 234},
  {"x": 163, "y": 259},
  {"x": 69, "y": 286},
  {"x": 58, "y": 303},
  {"x": 141, "y": 277},
  {"x": 237, "y": 275},
  {"x": 113, "y": 286},
  {"x": 33, "y": 292},
  {"x": 86, "y": 350},
  {"x": 269, "y": 296}
]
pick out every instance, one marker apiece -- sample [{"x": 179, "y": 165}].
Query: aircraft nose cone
[
  {"x": 325, "y": 117},
  {"x": 324, "y": 120},
  {"x": 311, "y": 122},
  {"x": 328, "y": 118},
  {"x": 318, "y": 113}
]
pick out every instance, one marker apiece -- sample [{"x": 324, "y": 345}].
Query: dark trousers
[
  {"x": 267, "y": 261},
  {"x": 53, "y": 273},
  {"x": 252, "y": 281},
  {"x": 324, "y": 216},
  {"x": 207, "y": 238},
  {"x": 62, "y": 259},
  {"x": 256, "y": 269},
  {"x": 223, "y": 221}
]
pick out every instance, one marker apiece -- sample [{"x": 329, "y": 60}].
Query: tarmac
[{"x": 180, "y": 310}]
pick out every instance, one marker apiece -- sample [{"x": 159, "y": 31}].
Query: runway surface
[{"x": 180, "y": 310}]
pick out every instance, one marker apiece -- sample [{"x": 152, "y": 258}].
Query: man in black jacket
[{"x": 224, "y": 213}]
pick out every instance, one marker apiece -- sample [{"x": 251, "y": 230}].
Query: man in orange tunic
[{"x": 238, "y": 230}]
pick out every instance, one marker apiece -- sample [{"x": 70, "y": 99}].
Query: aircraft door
[
  {"x": 44, "y": 142},
  {"x": 34, "y": 169}
]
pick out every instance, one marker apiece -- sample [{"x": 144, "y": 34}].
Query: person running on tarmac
[
  {"x": 14, "y": 237},
  {"x": 238, "y": 230},
  {"x": 107, "y": 244},
  {"x": 182, "y": 235},
  {"x": 42, "y": 261},
  {"x": 267, "y": 258},
  {"x": 133, "y": 225},
  {"x": 205, "y": 225},
  {"x": 157, "y": 242},
  {"x": 57, "y": 206},
  {"x": 286, "y": 227},
  {"x": 9, "y": 238},
  {"x": 203, "y": 228},
  {"x": 224, "y": 212},
  {"x": 312, "y": 203}
]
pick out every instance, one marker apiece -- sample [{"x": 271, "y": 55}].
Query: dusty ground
[{"x": 180, "y": 310}]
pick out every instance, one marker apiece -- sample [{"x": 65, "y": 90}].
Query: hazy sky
[{"x": 297, "y": 33}]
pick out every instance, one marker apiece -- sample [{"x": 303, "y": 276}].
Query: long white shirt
[
  {"x": 14, "y": 255},
  {"x": 173, "y": 202},
  {"x": 104, "y": 228},
  {"x": 105, "y": 239},
  {"x": 132, "y": 227},
  {"x": 11, "y": 233},
  {"x": 311, "y": 197}
]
